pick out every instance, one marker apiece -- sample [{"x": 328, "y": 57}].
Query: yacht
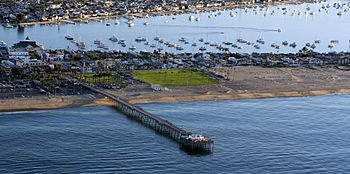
[
  {"x": 194, "y": 44},
  {"x": 227, "y": 43},
  {"x": 260, "y": 41},
  {"x": 334, "y": 41},
  {"x": 130, "y": 23},
  {"x": 97, "y": 42},
  {"x": 202, "y": 49},
  {"x": 113, "y": 39},
  {"x": 140, "y": 39},
  {"x": 179, "y": 48},
  {"x": 293, "y": 45},
  {"x": 121, "y": 42},
  {"x": 182, "y": 39},
  {"x": 69, "y": 38},
  {"x": 132, "y": 48},
  {"x": 285, "y": 43},
  {"x": 313, "y": 46}
]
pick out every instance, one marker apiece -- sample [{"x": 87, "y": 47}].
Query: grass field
[
  {"x": 174, "y": 77},
  {"x": 102, "y": 78}
]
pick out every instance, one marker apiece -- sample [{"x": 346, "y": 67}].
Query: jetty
[{"x": 188, "y": 141}]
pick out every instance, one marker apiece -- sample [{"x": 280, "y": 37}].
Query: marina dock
[{"x": 187, "y": 140}]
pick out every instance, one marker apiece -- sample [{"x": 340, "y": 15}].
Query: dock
[{"x": 187, "y": 140}]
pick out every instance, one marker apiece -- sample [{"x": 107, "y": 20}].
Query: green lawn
[
  {"x": 102, "y": 78},
  {"x": 174, "y": 77}
]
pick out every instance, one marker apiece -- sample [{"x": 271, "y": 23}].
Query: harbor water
[
  {"x": 281, "y": 135},
  {"x": 310, "y": 23}
]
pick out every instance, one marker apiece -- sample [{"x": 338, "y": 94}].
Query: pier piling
[{"x": 160, "y": 125}]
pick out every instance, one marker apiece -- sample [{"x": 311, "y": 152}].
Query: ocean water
[
  {"x": 281, "y": 135},
  {"x": 323, "y": 24}
]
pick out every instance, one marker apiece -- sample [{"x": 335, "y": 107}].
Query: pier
[{"x": 187, "y": 141}]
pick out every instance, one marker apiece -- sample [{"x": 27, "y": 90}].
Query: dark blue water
[{"x": 285, "y": 135}]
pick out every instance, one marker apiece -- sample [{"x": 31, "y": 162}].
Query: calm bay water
[
  {"x": 250, "y": 26},
  {"x": 285, "y": 135}
]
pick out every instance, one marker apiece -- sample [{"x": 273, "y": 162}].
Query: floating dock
[{"x": 187, "y": 141}]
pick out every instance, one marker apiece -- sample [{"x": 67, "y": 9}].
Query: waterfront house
[
  {"x": 4, "y": 51},
  {"x": 53, "y": 56}
]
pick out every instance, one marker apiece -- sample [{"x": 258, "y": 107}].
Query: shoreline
[
  {"x": 165, "y": 12},
  {"x": 75, "y": 101},
  {"x": 242, "y": 96}
]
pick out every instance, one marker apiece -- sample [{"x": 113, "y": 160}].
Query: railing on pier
[{"x": 158, "y": 124}]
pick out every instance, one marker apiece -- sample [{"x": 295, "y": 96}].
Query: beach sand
[{"x": 244, "y": 83}]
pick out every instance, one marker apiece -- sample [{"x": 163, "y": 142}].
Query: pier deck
[{"x": 159, "y": 124}]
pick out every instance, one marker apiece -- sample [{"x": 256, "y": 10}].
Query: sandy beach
[
  {"x": 249, "y": 83},
  {"x": 244, "y": 83}
]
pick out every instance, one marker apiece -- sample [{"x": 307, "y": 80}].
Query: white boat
[
  {"x": 140, "y": 39},
  {"x": 132, "y": 48},
  {"x": 227, "y": 43},
  {"x": 113, "y": 39},
  {"x": 108, "y": 24},
  {"x": 97, "y": 42},
  {"x": 260, "y": 41},
  {"x": 334, "y": 41},
  {"x": 121, "y": 41},
  {"x": 69, "y": 38},
  {"x": 293, "y": 44},
  {"x": 179, "y": 48},
  {"x": 182, "y": 39},
  {"x": 130, "y": 23},
  {"x": 191, "y": 18},
  {"x": 202, "y": 49},
  {"x": 100, "y": 46},
  {"x": 7, "y": 25},
  {"x": 313, "y": 46},
  {"x": 145, "y": 23}
]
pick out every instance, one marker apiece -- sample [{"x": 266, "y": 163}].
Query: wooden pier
[{"x": 164, "y": 127}]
